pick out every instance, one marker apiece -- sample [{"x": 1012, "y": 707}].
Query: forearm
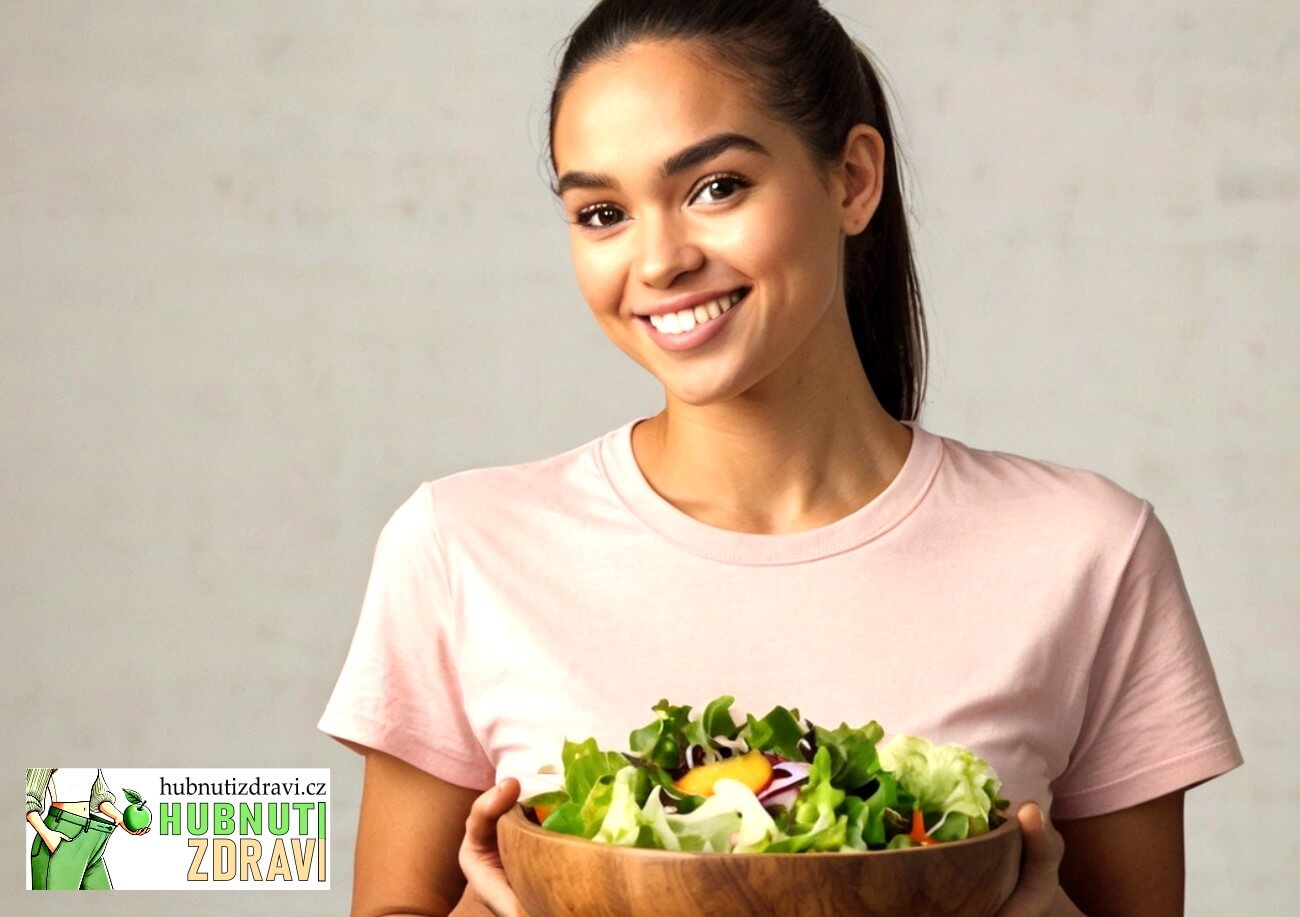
[
  {"x": 34, "y": 819},
  {"x": 107, "y": 808}
]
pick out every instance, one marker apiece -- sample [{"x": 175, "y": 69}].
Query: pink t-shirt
[{"x": 1033, "y": 612}]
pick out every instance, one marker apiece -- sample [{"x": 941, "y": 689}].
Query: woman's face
[{"x": 743, "y": 218}]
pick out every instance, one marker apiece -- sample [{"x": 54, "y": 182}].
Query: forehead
[{"x": 652, "y": 99}]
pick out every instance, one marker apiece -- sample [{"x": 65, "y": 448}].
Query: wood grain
[{"x": 557, "y": 874}]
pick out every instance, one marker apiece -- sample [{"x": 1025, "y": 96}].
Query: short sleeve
[
  {"x": 1154, "y": 720},
  {"x": 399, "y": 688}
]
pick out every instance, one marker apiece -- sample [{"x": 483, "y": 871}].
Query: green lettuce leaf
[
  {"x": 622, "y": 821},
  {"x": 854, "y": 761},
  {"x": 948, "y": 781},
  {"x": 778, "y": 733},
  {"x": 585, "y": 764},
  {"x": 714, "y": 721},
  {"x": 663, "y": 740},
  {"x": 733, "y": 809},
  {"x": 815, "y": 823},
  {"x": 550, "y": 799}
]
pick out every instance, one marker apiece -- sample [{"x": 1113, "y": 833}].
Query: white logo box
[{"x": 217, "y": 829}]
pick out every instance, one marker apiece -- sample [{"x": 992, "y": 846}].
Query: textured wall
[{"x": 264, "y": 267}]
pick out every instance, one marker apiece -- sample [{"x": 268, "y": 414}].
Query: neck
[{"x": 771, "y": 471}]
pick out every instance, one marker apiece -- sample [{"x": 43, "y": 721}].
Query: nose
[{"x": 665, "y": 251}]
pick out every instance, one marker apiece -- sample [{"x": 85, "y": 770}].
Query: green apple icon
[{"x": 136, "y": 816}]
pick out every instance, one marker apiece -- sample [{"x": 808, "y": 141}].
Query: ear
[{"x": 862, "y": 172}]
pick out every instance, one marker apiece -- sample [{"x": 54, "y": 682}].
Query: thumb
[
  {"x": 481, "y": 828},
  {"x": 504, "y": 795},
  {"x": 1043, "y": 848},
  {"x": 480, "y": 859}
]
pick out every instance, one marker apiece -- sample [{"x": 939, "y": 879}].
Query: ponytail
[{"x": 881, "y": 290}]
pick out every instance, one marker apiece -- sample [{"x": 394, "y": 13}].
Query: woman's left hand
[
  {"x": 1038, "y": 892},
  {"x": 121, "y": 824}
]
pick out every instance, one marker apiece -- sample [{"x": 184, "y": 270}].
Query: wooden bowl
[{"x": 554, "y": 874}]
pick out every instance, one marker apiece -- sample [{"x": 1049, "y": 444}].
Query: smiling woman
[{"x": 729, "y": 178}]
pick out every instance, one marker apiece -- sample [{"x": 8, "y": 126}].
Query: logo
[{"x": 203, "y": 828}]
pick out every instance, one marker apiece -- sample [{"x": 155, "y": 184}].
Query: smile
[
  {"x": 687, "y": 319},
  {"x": 691, "y": 328}
]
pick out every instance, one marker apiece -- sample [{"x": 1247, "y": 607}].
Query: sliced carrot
[{"x": 918, "y": 830}]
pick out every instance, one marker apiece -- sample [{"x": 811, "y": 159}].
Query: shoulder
[
  {"x": 508, "y": 497},
  {"x": 1052, "y": 503}
]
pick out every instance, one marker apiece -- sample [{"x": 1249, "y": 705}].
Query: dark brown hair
[{"x": 809, "y": 74}]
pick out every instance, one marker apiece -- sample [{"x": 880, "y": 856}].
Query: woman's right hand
[
  {"x": 54, "y": 838},
  {"x": 479, "y": 859}
]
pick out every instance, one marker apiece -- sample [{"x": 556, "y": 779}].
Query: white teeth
[{"x": 687, "y": 319}]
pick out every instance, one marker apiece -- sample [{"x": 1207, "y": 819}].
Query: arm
[
  {"x": 102, "y": 799},
  {"x": 46, "y": 835},
  {"x": 1126, "y": 862},
  {"x": 38, "y": 781},
  {"x": 112, "y": 812},
  {"x": 408, "y": 840}
]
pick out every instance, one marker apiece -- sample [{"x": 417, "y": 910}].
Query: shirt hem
[
  {"x": 352, "y": 730},
  {"x": 1182, "y": 772}
]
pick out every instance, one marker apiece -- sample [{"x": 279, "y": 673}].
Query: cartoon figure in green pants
[{"x": 69, "y": 848}]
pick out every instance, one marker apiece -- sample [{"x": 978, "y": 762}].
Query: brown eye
[
  {"x": 585, "y": 215},
  {"x": 725, "y": 181}
]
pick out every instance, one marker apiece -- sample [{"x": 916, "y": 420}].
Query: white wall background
[{"x": 264, "y": 267}]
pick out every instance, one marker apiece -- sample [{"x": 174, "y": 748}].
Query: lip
[
  {"x": 689, "y": 301},
  {"x": 697, "y": 335}
]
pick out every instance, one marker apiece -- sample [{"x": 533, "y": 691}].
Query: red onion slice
[
  {"x": 784, "y": 797},
  {"x": 788, "y": 775}
]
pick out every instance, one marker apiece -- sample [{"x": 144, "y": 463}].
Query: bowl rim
[{"x": 516, "y": 814}]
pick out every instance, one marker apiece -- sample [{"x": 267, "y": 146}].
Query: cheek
[
  {"x": 600, "y": 281},
  {"x": 789, "y": 245}
]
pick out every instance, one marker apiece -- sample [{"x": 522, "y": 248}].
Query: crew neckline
[{"x": 869, "y": 521}]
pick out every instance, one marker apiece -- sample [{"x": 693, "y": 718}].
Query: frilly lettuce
[{"x": 945, "y": 780}]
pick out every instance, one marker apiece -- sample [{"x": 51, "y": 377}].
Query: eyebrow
[{"x": 687, "y": 158}]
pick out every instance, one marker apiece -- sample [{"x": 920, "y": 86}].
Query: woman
[
  {"x": 68, "y": 852},
  {"x": 784, "y": 530}
]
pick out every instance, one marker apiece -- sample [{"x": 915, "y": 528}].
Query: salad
[{"x": 779, "y": 784}]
